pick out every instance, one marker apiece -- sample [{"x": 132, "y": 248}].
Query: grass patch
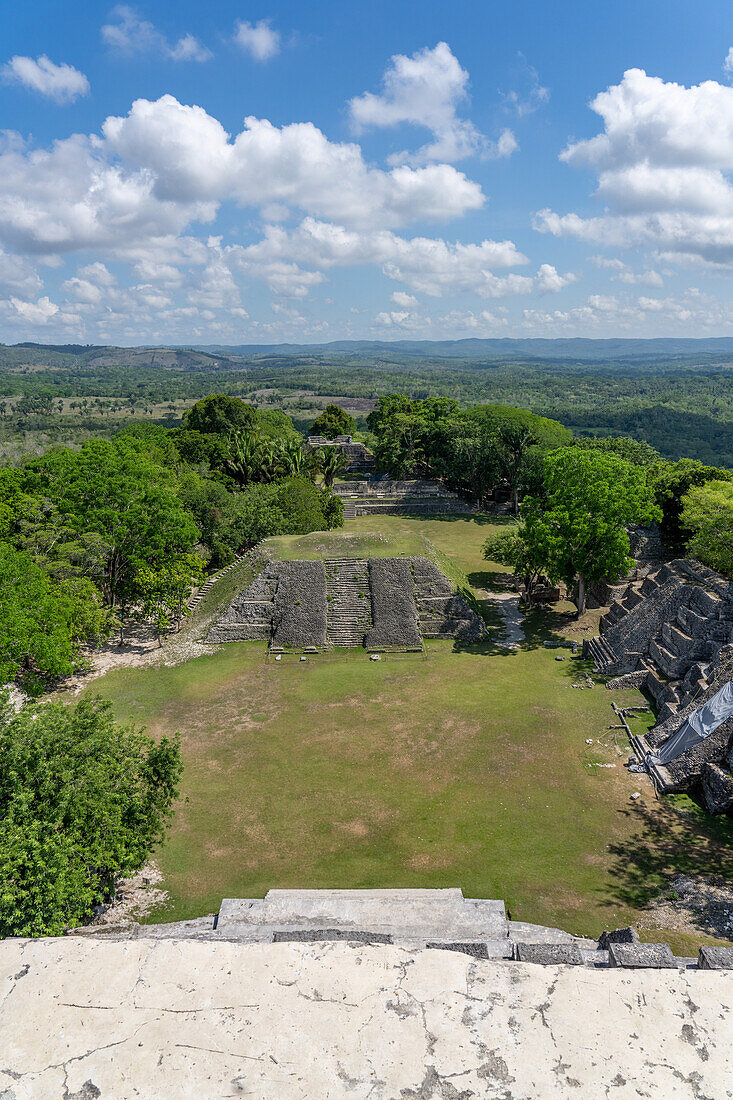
[{"x": 458, "y": 768}]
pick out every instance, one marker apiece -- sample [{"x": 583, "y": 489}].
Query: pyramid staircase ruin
[
  {"x": 664, "y": 631},
  {"x": 383, "y": 603},
  {"x": 382, "y": 497},
  {"x": 349, "y": 612}
]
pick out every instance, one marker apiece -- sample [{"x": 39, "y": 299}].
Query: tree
[
  {"x": 514, "y": 442},
  {"x": 579, "y": 529},
  {"x": 707, "y": 511},
  {"x": 113, "y": 490},
  {"x": 43, "y": 623},
  {"x": 333, "y": 421},
  {"x": 165, "y": 588},
  {"x": 332, "y": 463},
  {"x": 220, "y": 414},
  {"x": 514, "y": 549},
  {"x": 670, "y": 482},
  {"x": 83, "y": 801},
  {"x": 635, "y": 451}
]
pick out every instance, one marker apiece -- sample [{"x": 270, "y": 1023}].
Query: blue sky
[{"x": 229, "y": 173}]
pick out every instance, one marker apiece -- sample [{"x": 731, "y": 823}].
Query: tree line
[{"x": 127, "y": 526}]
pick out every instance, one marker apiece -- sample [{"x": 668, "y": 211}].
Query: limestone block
[
  {"x": 549, "y": 954},
  {"x": 717, "y": 787},
  {"x": 618, "y": 935},
  {"x": 635, "y": 956},
  {"x": 712, "y": 957}
]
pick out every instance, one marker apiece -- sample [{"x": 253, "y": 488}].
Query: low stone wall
[
  {"x": 300, "y": 605},
  {"x": 394, "y": 613}
]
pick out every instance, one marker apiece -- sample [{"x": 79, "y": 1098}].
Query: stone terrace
[
  {"x": 383, "y": 603},
  {"x": 382, "y": 497},
  {"x": 174, "y": 1018}
]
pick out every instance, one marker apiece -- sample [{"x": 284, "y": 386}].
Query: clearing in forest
[{"x": 463, "y": 766}]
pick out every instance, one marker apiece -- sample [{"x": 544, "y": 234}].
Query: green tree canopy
[
  {"x": 116, "y": 492},
  {"x": 82, "y": 801},
  {"x": 333, "y": 421},
  {"x": 635, "y": 451},
  {"x": 670, "y": 482},
  {"x": 43, "y": 623},
  {"x": 220, "y": 414},
  {"x": 707, "y": 512},
  {"x": 578, "y": 530}
]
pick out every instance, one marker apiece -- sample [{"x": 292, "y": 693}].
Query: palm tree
[
  {"x": 245, "y": 460},
  {"x": 332, "y": 462}
]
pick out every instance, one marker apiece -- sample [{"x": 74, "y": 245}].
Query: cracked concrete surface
[{"x": 166, "y": 1018}]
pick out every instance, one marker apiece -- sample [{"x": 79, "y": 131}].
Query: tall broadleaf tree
[{"x": 578, "y": 529}]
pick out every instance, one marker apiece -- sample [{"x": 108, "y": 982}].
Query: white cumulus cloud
[
  {"x": 663, "y": 162},
  {"x": 426, "y": 90},
  {"x": 260, "y": 40},
  {"x": 61, "y": 83},
  {"x": 192, "y": 159}
]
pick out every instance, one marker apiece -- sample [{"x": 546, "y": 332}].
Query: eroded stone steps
[{"x": 348, "y": 601}]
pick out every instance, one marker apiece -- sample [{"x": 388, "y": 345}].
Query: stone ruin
[
  {"x": 361, "y": 459},
  {"x": 669, "y": 631},
  {"x": 422, "y": 919},
  {"x": 382, "y": 603},
  {"x": 381, "y": 496}
]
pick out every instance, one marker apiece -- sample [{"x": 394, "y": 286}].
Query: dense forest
[{"x": 681, "y": 405}]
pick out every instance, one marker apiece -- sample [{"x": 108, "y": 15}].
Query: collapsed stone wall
[
  {"x": 249, "y": 617},
  {"x": 672, "y": 636},
  {"x": 443, "y": 612}
]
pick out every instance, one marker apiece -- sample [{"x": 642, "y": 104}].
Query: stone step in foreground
[{"x": 415, "y": 919}]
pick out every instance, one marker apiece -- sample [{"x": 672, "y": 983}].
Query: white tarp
[{"x": 698, "y": 726}]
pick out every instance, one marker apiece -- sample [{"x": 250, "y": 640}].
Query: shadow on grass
[{"x": 670, "y": 840}]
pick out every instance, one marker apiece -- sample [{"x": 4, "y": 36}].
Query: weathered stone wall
[
  {"x": 394, "y": 613},
  {"x": 443, "y": 612},
  {"x": 249, "y": 616},
  {"x": 300, "y": 604}
]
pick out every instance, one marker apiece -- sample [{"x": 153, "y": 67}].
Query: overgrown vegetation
[
  {"x": 127, "y": 526},
  {"x": 83, "y": 800}
]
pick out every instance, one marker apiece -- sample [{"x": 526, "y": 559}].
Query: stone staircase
[
  {"x": 381, "y": 497},
  {"x": 418, "y": 919},
  {"x": 349, "y": 607},
  {"x": 664, "y": 631},
  {"x": 600, "y": 652}
]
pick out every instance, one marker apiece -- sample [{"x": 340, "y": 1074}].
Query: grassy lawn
[{"x": 465, "y": 768}]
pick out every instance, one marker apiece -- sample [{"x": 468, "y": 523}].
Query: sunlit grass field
[{"x": 457, "y": 768}]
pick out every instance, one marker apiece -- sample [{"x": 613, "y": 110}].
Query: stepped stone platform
[
  {"x": 360, "y": 458},
  {"x": 671, "y": 632},
  {"x": 379, "y": 496},
  {"x": 88, "y": 1017},
  {"x": 434, "y": 919},
  {"x": 382, "y": 603}
]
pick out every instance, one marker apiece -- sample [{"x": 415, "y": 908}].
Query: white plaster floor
[{"x": 169, "y": 1019}]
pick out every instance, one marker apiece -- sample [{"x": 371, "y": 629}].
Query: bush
[{"x": 82, "y": 801}]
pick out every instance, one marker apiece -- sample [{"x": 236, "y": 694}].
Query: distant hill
[{"x": 576, "y": 349}]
